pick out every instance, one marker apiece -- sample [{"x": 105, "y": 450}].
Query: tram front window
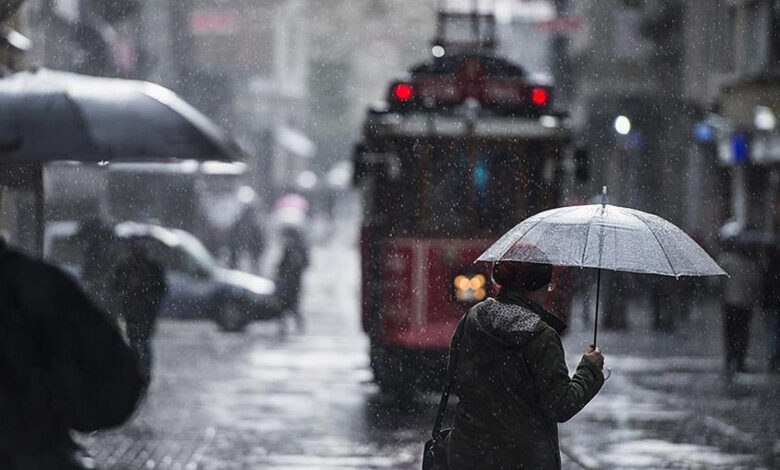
[
  {"x": 452, "y": 189},
  {"x": 497, "y": 189},
  {"x": 447, "y": 192}
]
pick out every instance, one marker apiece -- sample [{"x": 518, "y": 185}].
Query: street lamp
[
  {"x": 764, "y": 119},
  {"x": 622, "y": 125}
]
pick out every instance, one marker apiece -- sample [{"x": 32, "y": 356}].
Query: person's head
[
  {"x": 532, "y": 279},
  {"x": 291, "y": 236},
  {"x": 522, "y": 277}
]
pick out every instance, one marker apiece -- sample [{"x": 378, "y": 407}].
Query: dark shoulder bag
[{"x": 435, "y": 451}]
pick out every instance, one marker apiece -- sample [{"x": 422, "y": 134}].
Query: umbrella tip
[{"x": 603, "y": 196}]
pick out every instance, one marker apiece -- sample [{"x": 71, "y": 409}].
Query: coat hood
[
  {"x": 506, "y": 319},
  {"x": 509, "y": 321}
]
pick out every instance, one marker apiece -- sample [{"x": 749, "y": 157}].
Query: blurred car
[{"x": 198, "y": 287}]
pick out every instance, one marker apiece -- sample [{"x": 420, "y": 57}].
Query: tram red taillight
[
  {"x": 403, "y": 92},
  {"x": 540, "y": 97}
]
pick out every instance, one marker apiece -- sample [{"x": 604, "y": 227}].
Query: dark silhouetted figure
[
  {"x": 139, "y": 286},
  {"x": 295, "y": 258},
  {"x": 741, "y": 291},
  {"x": 771, "y": 303},
  {"x": 63, "y": 366},
  {"x": 247, "y": 238},
  {"x": 99, "y": 242},
  {"x": 668, "y": 301},
  {"x": 614, "y": 300}
]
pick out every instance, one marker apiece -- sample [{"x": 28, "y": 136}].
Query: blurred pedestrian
[
  {"x": 511, "y": 379},
  {"x": 295, "y": 259},
  {"x": 139, "y": 285},
  {"x": 771, "y": 303},
  {"x": 247, "y": 241},
  {"x": 741, "y": 293},
  {"x": 64, "y": 367},
  {"x": 615, "y": 292},
  {"x": 99, "y": 241},
  {"x": 668, "y": 302}
]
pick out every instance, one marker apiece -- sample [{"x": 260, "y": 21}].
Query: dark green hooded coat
[{"x": 514, "y": 387}]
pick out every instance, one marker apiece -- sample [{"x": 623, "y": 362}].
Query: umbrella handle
[{"x": 596, "y": 319}]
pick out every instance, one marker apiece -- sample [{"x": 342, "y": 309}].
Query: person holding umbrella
[
  {"x": 511, "y": 378},
  {"x": 513, "y": 383}
]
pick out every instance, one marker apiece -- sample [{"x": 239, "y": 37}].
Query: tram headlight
[
  {"x": 462, "y": 282},
  {"x": 470, "y": 287}
]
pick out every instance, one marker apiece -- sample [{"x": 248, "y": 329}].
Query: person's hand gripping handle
[{"x": 594, "y": 356}]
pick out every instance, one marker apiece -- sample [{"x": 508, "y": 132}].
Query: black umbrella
[{"x": 49, "y": 115}]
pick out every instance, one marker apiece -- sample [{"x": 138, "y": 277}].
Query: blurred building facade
[
  {"x": 626, "y": 61},
  {"x": 746, "y": 138},
  {"x": 292, "y": 77},
  {"x": 695, "y": 84},
  {"x": 640, "y": 78},
  {"x": 686, "y": 74}
]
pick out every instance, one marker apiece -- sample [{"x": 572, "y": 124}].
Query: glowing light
[
  {"x": 477, "y": 282},
  {"x": 403, "y": 92},
  {"x": 764, "y": 118},
  {"x": 540, "y": 96},
  {"x": 622, "y": 125},
  {"x": 470, "y": 288},
  {"x": 437, "y": 51},
  {"x": 479, "y": 294}
]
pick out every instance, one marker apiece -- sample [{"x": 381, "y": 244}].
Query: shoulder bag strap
[{"x": 453, "y": 363}]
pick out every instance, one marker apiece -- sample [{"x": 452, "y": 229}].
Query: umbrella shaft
[{"x": 596, "y": 319}]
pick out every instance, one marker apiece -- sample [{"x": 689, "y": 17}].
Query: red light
[
  {"x": 403, "y": 92},
  {"x": 540, "y": 96}
]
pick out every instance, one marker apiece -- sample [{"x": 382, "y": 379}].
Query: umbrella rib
[
  {"x": 663, "y": 250},
  {"x": 585, "y": 245},
  {"x": 534, "y": 226}
]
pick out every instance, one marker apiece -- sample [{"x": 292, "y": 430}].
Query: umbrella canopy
[
  {"x": 605, "y": 237},
  {"x": 48, "y": 115}
]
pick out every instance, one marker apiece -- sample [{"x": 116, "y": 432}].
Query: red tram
[{"x": 464, "y": 148}]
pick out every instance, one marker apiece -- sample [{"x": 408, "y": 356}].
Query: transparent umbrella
[{"x": 602, "y": 236}]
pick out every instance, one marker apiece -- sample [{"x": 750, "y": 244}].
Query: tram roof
[{"x": 422, "y": 125}]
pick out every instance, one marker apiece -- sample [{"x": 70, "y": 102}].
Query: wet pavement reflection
[{"x": 255, "y": 400}]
